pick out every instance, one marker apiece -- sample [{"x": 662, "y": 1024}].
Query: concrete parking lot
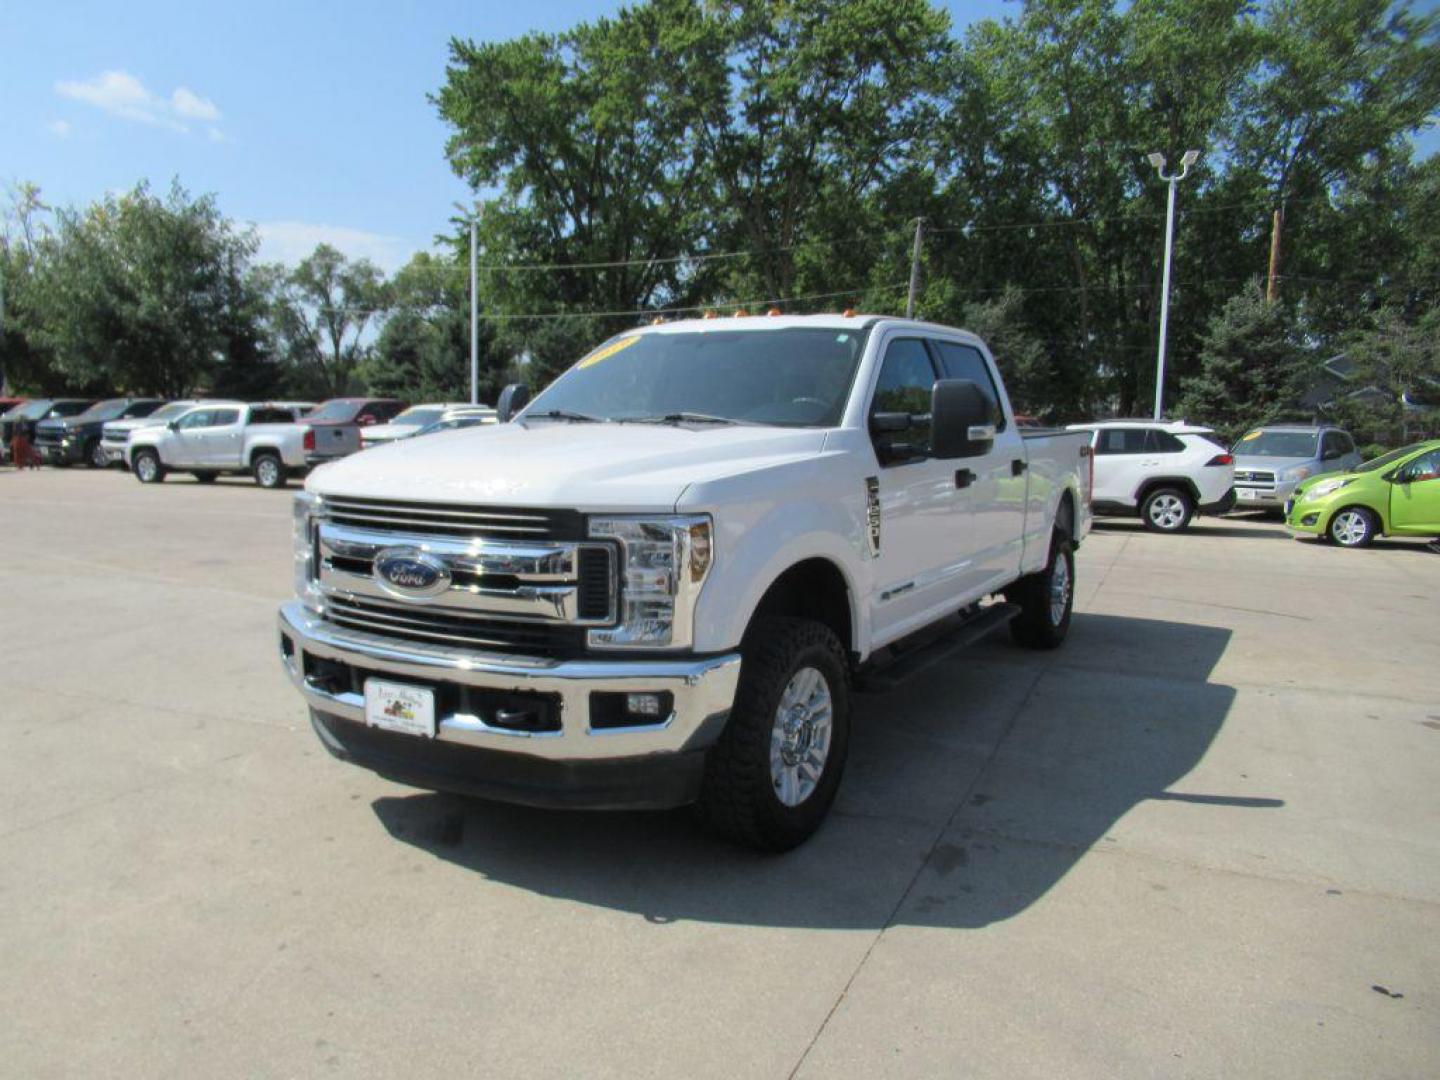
[{"x": 1202, "y": 839}]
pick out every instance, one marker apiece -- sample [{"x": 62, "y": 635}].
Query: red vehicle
[{"x": 335, "y": 424}]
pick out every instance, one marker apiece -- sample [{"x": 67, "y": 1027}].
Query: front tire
[
  {"x": 146, "y": 466},
  {"x": 1353, "y": 527},
  {"x": 771, "y": 778},
  {"x": 1167, "y": 510},
  {"x": 1046, "y": 599},
  {"x": 95, "y": 455},
  {"x": 269, "y": 472}
]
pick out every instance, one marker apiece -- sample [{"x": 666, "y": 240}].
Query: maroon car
[{"x": 335, "y": 425}]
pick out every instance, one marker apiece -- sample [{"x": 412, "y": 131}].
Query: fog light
[
  {"x": 647, "y": 705},
  {"x": 1309, "y": 519}
]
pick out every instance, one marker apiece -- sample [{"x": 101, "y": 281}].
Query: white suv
[{"x": 1165, "y": 472}]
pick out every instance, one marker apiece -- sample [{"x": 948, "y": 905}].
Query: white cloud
[
  {"x": 60, "y": 129},
  {"x": 188, "y": 103},
  {"x": 121, "y": 94},
  {"x": 290, "y": 241},
  {"x": 216, "y": 135}
]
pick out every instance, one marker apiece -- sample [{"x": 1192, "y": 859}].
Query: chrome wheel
[
  {"x": 1351, "y": 528},
  {"x": 800, "y": 737},
  {"x": 1167, "y": 511},
  {"x": 1059, "y": 588},
  {"x": 146, "y": 468}
]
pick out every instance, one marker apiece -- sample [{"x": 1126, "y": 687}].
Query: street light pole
[
  {"x": 1158, "y": 160},
  {"x": 474, "y": 317}
]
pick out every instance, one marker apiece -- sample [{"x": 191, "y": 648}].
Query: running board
[{"x": 910, "y": 656}]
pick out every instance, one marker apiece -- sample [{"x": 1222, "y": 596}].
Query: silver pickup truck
[{"x": 216, "y": 437}]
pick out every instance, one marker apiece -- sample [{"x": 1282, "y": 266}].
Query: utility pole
[
  {"x": 1158, "y": 160},
  {"x": 1273, "y": 279},
  {"x": 915, "y": 269}
]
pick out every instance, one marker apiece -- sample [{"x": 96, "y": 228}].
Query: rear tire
[
  {"x": 1167, "y": 510},
  {"x": 1353, "y": 527},
  {"x": 269, "y": 471},
  {"x": 146, "y": 466},
  {"x": 772, "y": 776},
  {"x": 1046, "y": 599}
]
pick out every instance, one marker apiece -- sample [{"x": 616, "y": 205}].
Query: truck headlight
[
  {"x": 663, "y": 564},
  {"x": 306, "y": 549}
]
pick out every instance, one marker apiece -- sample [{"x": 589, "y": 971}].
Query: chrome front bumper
[{"x": 703, "y": 690}]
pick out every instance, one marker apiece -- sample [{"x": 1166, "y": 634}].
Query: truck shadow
[{"x": 971, "y": 791}]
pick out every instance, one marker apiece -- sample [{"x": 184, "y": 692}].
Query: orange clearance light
[
  {"x": 709, "y": 315},
  {"x": 656, "y": 321},
  {"x": 741, "y": 313},
  {"x": 848, "y": 313},
  {"x": 773, "y": 312}
]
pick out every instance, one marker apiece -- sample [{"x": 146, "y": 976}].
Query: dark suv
[
  {"x": 75, "y": 439},
  {"x": 28, "y": 416}
]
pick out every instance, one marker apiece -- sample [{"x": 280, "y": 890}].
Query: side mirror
[
  {"x": 1331, "y": 455},
  {"x": 512, "y": 399},
  {"x": 173, "y": 425},
  {"x": 890, "y": 423},
  {"x": 961, "y": 419}
]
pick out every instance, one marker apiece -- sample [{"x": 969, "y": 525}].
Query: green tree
[
  {"x": 319, "y": 314},
  {"x": 1254, "y": 366}
]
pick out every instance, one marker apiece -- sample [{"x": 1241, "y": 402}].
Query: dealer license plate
[{"x": 409, "y": 710}]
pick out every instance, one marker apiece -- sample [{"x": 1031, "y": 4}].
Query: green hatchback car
[{"x": 1396, "y": 494}]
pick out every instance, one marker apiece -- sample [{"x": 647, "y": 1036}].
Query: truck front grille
[
  {"x": 436, "y": 518},
  {"x": 446, "y": 627}
]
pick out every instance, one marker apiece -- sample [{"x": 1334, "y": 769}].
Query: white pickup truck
[
  {"x": 658, "y": 583},
  {"x": 215, "y": 437}
]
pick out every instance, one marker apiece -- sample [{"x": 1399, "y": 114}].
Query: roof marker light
[
  {"x": 741, "y": 313},
  {"x": 773, "y": 312}
]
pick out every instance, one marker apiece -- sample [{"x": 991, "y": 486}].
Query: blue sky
[{"x": 308, "y": 119}]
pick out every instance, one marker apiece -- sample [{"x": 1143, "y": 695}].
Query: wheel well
[
  {"x": 813, "y": 589},
  {"x": 263, "y": 451},
  {"x": 1065, "y": 515},
  {"x": 1184, "y": 483}
]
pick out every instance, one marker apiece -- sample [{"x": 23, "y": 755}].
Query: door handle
[
  {"x": 1017, "y": 466},
  {"x": 964, "y": 478}
]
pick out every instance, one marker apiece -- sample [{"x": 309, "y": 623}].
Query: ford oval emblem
[{"x": 410, "y": 573}]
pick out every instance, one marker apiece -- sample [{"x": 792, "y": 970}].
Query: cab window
[
  {"x": 1425, "y": 467},
  {"x": 1121, "y": 441},
  {"x": 907, "y": 379},
  {"x": 966, "y": 362},
  {"x": 223, "y": 417},
  {"x": 197, "y": 419}
]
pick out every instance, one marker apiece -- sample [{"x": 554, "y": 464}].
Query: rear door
[
  {"x": 1415, "y": 496},
  {"x": 996, "y": 483},
  {"x": 922, "y": 540},
  {"x": 1120, "y": 464}
]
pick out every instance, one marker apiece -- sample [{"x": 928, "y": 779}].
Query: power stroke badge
[{"x": 872, "y": 513}]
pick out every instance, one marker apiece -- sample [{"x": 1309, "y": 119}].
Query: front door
[
  {"x": 922, "y": 536},
  {"x": 1415, "y": 496},
  {"x": 998, "y": 483},
  {"x": 220, "y": 439},
  {"x": 186, "y": 447}
]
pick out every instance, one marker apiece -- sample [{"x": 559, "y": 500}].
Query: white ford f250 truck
[
  {"x": 217, "y": 437},
  {"x": 657, "y": 584}
]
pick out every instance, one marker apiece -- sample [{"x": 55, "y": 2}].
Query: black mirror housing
[
  {"x": 960, "y": 417},
  {"x": 890, "y": 423},
  {"x": 512, "y": 399}
]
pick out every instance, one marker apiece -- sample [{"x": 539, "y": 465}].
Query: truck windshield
[
  {"x": 341, "y": 411},
  {"x": 170, "y": 411},
  {"x": 791, "y": 377},
  {"x": 1261, "y": 443},
  {"x": 105, "y": 410}
]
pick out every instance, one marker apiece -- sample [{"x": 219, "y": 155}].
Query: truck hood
[{"x": 639, "y": 467}]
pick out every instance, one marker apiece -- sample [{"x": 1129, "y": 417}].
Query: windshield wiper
[
  {"x": 685, "y": 418},
  {"x": 565, "y": 414}
]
